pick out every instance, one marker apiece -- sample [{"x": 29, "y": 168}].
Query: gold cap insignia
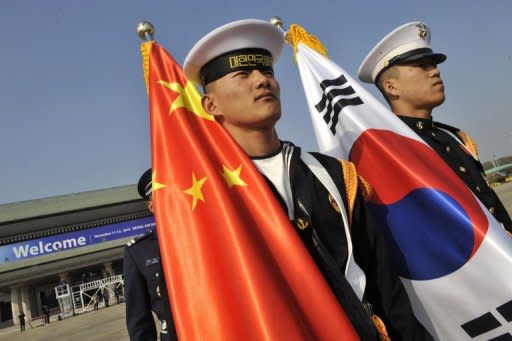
[{"x": 423, "y": 31}]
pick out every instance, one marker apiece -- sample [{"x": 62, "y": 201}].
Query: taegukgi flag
[{"x": 454, "y": 258}]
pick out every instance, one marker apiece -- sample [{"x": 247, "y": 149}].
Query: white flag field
[{"x": 454, "y": 258}]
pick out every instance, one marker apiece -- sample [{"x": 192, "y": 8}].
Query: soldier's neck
[
  {"x": 410, "y": 111},
  {"x": 257, "y": 142}
]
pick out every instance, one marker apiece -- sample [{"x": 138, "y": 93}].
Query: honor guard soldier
[
  {"x": 234, "y": 65},
  {"x": 145, "y": 290},
  {"x": 404, "y": 68}
]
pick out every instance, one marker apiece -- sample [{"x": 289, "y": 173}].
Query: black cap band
[{"x": 243, "y": 59}]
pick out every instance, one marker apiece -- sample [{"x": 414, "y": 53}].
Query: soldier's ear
[
  {"x": 208, "y": 102},
  {"x": 391, "y": 87}
]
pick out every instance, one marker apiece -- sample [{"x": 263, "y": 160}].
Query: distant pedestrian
[
  {"x": 96, "y": 300},
  {"x": 117, "y": 293},
  {"x": 21, "y": 316},
  {"x": 46, "y": 313},
  {"x": 105, "y": 297}
]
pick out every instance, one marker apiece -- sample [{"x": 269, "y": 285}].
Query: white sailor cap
[
  {"x": 404, "y": 44},
  {"x": 243, "y": 44}
]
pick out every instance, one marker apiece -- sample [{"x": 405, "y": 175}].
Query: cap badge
[
  {"x": 423, "y": 31},
  {"x": 419, "y": 125}
]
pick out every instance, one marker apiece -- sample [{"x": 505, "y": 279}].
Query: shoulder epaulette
[
  {"x": 469, "y": 143},
  {"x": 350, "y": 180},
  {"x": 463, "y": 137},
  {"x": 138, "y": 239}
]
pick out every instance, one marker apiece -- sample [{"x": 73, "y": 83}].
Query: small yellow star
[
  {"x": 188, "y": 98},
  {"x": 232, "y": 177},
  {"x": 195, "y": 190},
  {"x": 154, "y": 184}
]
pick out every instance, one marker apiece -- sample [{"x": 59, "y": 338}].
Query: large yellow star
[
  {"x": 188, "y": 98},
  {"x": 154, "y": 184},
  {"x": 195, "y": 190},
  {"x": 232, "y": 177}
]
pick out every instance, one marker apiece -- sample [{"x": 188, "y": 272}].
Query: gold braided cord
[
  {"x": 469, "y": 143},
  {"x": 296, "y": 34},
  {"x": 350, "y": 179},
  {"x": 145, "y": 50},
  {"x": 381, "y": 328},
  {"x": 366, "y": 188}
]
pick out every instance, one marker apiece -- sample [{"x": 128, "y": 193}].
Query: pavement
[{"x": 105, "y": 324}]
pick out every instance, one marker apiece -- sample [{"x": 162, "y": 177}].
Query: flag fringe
[
  {"x": 145, "y": 50},
  {"x": 296, "y": 34}
]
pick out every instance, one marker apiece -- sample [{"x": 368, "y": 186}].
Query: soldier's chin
[{"x": 439, "y": 101}]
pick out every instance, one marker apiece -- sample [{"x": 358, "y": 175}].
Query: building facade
[{"x": 69, "y": 239}]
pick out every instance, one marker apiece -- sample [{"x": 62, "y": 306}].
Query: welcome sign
[{"x": 76, "y": 239}]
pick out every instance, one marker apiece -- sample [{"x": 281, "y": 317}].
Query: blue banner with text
[{"x": 76, "y": 239}]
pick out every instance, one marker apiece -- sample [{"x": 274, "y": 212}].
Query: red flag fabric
[{"x": 234, "y": 267}]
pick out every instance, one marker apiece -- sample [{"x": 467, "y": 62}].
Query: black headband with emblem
[{"x": 243, "y": 59}]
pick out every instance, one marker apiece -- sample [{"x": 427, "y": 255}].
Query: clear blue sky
[{"x": 73, "y": 108}]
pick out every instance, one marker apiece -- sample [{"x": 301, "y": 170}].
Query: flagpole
[
  {"x": 278, "y": 22},
  {"x": 146, "y": 31}
]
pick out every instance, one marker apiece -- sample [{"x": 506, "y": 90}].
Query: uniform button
[
  {"x": 462, "y": 169},
  {"x": 156, "y": 275},
  {"x": 448, "y": 149},
  {"x": 419, "y": 125},
  {"x": 434, "y": 134},
  {"x": 477, "y": 188},
  {"x": 491, "y": 209}
]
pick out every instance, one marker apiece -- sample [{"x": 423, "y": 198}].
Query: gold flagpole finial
[
  {"x": 278, "y": 22},
  {"x": 146, "y": 31}
]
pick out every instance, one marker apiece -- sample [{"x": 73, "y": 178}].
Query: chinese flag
[{"x": 234, "y": 266}]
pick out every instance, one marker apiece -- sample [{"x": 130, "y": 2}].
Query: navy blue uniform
[
  {"x": 318, "y": 225},
  {"x": 468, "y": 168},
  {"x": 145, "y": 291}
]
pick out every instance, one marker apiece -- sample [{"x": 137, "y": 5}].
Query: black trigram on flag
[
  {"x": 488, "y": 322},
  {"x": 345, "y": 94}
]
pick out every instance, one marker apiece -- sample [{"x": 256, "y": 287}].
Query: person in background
[
  {"x": 21, "y": 318},
  {"x": 145, "y": 290}
]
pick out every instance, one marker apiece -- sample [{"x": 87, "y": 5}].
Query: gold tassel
[
  {"x": 381, "y": 328},
  {"x": 366, "y": 188},
  {"x": 297, "y": 34},
  {"x": 145, "y": 50}
]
